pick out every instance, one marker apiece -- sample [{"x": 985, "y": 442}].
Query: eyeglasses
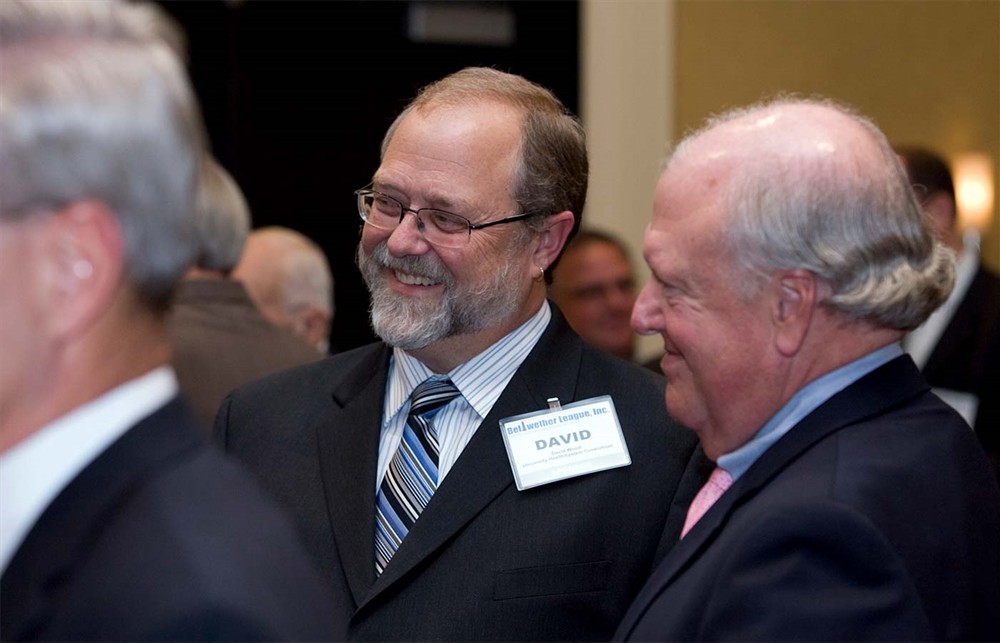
[{"x": 440, "y": 228}]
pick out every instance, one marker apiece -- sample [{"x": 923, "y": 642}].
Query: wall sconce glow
[{"x": 973, "y": 190}]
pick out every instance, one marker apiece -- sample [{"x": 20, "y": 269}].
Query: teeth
[{"x": 415, "y": 280}]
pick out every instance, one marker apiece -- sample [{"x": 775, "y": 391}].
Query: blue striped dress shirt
[{"x": 480, "y": 380}]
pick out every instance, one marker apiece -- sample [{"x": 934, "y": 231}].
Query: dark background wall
[{"x": 297, "y": 95}]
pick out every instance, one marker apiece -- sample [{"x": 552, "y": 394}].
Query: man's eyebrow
[
  {"x": 436, "y": 200},
  {"x": 448, "y": 202}
]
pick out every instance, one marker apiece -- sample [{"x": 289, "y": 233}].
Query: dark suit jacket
[
  {"x": 876, "y": 517},
  {"x": 967, "y": 356},
  {"x": 163, "y": 538},
  {"x": 484, "y": 561},
  {"x": 220, "y": 342}
]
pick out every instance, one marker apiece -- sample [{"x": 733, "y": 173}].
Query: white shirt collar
[
  {"x": 35, "y": 471},
  {"x": 496, "y": 364}
]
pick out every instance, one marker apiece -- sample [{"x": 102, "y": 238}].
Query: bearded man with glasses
[{"x": 391, "y": 456}]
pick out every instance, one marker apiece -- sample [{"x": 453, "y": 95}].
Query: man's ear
[
  {"x": 315, "y": 324},
  {"x": 793, "y": 309},
  {"x": 86, "y": 247},
  {"x": 553, "y": 238}
]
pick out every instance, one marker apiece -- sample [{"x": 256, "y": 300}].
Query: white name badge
[{"x": 564, "y": 442}]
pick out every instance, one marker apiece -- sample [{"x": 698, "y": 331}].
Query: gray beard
[{"x": 412, "y": 324}]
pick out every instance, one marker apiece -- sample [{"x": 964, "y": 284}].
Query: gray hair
[
  {"x": 222, "y": 220},
  {"x": 849, "y": 217},
  {"x": 95, "y": 104},
  {"x": 552, "y": 172}
]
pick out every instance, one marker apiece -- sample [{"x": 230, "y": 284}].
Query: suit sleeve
[{"x": 818, "y": 572}]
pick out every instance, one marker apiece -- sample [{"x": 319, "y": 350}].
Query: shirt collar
[
  {"x": 804, "y": 402},
  {"x": 35, "y": 471},
  {"x": 495, "y": 364}
]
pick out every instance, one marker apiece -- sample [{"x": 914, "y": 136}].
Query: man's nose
[
  {"x": 408, "y": 237},
  {"x": 645, "y": 317}
]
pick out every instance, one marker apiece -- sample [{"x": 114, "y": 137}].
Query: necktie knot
[
  {"x": 430, "y": 395},
  {"x": 427, "y": 399},
  {"x": 718, "y": 482}
]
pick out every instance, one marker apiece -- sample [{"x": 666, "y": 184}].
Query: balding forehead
[{"x": 795, "y": 130}]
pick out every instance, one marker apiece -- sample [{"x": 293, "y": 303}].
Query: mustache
[{"x": 427, "y": 266}]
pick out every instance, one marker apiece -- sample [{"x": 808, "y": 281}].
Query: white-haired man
[{"x": 789, "y": 256}]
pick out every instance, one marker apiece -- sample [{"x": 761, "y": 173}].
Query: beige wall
[
  {"x": 627, "y": 107},
  {"x": 928, "y": 71}
]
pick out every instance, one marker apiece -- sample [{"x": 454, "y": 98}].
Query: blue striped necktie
[{"x": 412, "y": 476}]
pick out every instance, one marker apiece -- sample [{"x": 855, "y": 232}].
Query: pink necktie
[{"x": 717, "y": 484}]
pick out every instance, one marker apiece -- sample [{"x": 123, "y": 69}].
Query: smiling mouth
[{"x": 414, "y": 280}]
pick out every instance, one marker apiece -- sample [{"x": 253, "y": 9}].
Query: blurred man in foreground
[
  {"x": 288, "y": 277},
  {"x": 436, "y": 522},
  {"x": 789, "y": 256},
  {"x": 594, "y": 287},
  {"x": 117, "y": 522}
]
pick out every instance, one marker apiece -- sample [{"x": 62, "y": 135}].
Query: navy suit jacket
[
  {"x": 163, "y": 538},
  {"x": 484, "y": 561},
  {"x": 875, "y": 518}
]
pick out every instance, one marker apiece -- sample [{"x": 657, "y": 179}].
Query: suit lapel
[
  {"x": 348, "y": 439},
  {"x": 873, "y": 394},
  {"x": 69, "y": 525},
  {"x": 483, "y": 472}
]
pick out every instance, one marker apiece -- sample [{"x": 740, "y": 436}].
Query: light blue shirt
[
  {"x": 480, "y": 381},
  {"x": 802, "y": 404}
]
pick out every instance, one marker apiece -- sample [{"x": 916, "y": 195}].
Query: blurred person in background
[
  {"x": 289, "y": 278},
  {"x": 594, "y": 287},
  {"x": 219, "y": 339},
  {"x": 958, "y": 348}
]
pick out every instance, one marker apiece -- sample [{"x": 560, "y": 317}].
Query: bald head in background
[{"x": 289, "y": 278}]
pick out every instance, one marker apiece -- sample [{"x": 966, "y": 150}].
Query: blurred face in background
[{"x": 594, "y": 287}]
